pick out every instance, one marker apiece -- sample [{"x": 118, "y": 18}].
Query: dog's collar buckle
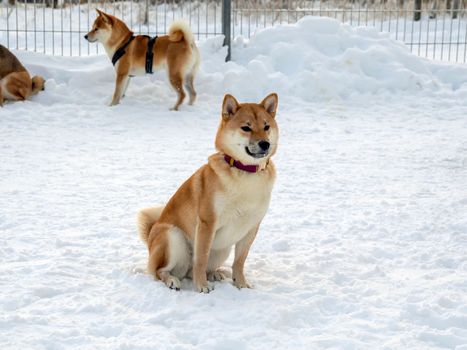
[{"x": 239, "y": 165}]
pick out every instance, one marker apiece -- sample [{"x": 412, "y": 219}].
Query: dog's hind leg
[
  {"x": 169, "y": 255},
  {"x": 177, "y": 83},
  {"x": 158, "y": 246},
  {"x": 16, "y": 86},
  {"x": 190, "y": 76},
  {"x": 170, "y": 281},
  {"x": 190, "y": 88},
  {"x": 126, "y": 87}
]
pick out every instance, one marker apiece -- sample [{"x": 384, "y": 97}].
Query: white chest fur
[{"x": 241, "y": 207}]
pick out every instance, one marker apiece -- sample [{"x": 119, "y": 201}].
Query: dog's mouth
[
  {"x": 91, "y": 40},
  {"x": 260, "y": 154}
]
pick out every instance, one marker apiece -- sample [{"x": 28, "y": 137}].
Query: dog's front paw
[
  {"x": 205, "y": 288},
  {"x": 241, "y": 283}
]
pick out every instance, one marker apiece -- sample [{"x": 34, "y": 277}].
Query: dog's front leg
[
  {"x": 203, "y": 241},
  {"x": 119, "y": 88},
  {"x": 241, "y": 252}
]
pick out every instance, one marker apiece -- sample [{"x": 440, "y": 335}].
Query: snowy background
[
  {"x": 60, "y": 31},
  {"x": 365, "y": 242}
]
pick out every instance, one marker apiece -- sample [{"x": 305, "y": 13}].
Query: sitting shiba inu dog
[
  {"x": 220, "y": 205},
  {"x": 137, "y": 55},
  {"x": 15, "y": 82}
]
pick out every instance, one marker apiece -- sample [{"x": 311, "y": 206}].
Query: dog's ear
[
  {"x": 105, "y": 17},
  {"x": 270, "y": 104},
  {"x": 229, "y": 107}
]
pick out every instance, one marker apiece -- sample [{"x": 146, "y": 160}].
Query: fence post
[
  {"x": 455, "y": 9},
  {"x": 417, "y": 11},
  {"x": 226, "y": 17}
]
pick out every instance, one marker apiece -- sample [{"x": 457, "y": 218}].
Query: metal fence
[
  {"x": 435, "y": 28},
  {"x": 41, "y": 25}
]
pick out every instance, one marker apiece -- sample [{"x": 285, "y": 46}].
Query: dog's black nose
[
  {"x": 86, "y": 37},
  {"x": 264, "y": 145}
]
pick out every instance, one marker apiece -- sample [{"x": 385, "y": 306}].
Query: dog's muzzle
[
  {"x": 258, "y": 150},
  {"x": 87, "y": 38}
]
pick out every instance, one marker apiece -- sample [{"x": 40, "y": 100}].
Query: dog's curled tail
[
  {"x": 181, "y": 30},
  {"x": 146, "y": 219}
]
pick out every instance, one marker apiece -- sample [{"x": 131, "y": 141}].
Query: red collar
[{"x": 240, "y": 165}]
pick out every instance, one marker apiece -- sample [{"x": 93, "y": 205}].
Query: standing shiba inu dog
[
  {"x": 15, "y": 82},
  {"x": 138, "y": 55},
  {"x": 220, "y": 205}
]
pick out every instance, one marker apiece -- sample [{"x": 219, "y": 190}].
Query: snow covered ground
[{"x": 364, "y": 246}]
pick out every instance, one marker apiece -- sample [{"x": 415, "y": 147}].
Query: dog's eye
[
  {"x": 96, "y": 29},
  {"x": 246, "y": 128},
  {"x": 266, "y": 128}
]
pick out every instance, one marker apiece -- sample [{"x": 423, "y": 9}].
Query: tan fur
[
  {"x": 15, "y": 81},
  {"x": 177, "y": 52},
  {"x": 38, "y": 83},
  {"x": 146, "y": 218},
  {"x": 219, "y": 206}
]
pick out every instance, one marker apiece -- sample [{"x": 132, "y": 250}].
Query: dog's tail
[
  {"x": 37, "y": 84},
  {"x": 180, "y": 30},
  {"x": 146, "y": 219}
]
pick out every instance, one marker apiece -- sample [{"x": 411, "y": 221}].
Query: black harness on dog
[
  {"x": 121, "y": 50},
  {"x": 149, "y": 52}
]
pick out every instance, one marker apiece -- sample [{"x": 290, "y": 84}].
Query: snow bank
[
  {"x": 321, "y": 58},
  {"x": 317, "y": 58}
]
